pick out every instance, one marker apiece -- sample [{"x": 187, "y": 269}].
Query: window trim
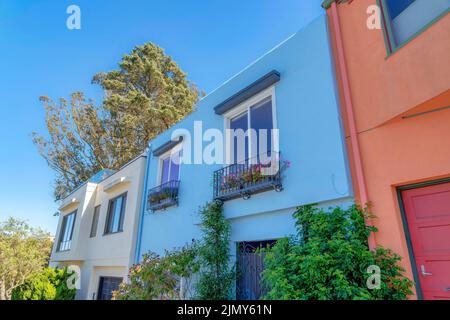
[
  {"x": 245, "y": 107},
  {"x": 389, "y": 39},
  {"x": 122, "y": 214},
  {"x": 93, "y": 234},
  {"x": 63, "y": 227},
  {"x": 165, "y": 156}
]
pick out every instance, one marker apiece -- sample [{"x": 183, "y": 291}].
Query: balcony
[
  {"x": 64, "y": 245},
  {"x": 163, "y": 196},
  {"x": 249, "y": 177}
]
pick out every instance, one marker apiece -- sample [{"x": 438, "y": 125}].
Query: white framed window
[
  {"x": 256, "y": 118},
  {"x": 169, "y": 166}
]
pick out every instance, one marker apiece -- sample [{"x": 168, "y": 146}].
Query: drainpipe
[
  {"x": 342, "y": 66},
  {"x": 143, "y": 205}
]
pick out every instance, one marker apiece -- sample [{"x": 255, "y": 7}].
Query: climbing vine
[{"x": 216, "y": 274}]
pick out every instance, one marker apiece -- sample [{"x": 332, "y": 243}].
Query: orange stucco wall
[{"x": 384, "y": 89}]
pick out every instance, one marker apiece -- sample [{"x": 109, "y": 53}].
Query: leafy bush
[
  {"x": 216, "y": 275},
  {"x": 328, "y": 259},
  {"x": 159, "y": 277},
  {"x": 50, "y": 284}
]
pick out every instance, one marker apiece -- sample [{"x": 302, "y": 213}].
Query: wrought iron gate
[{"x": 250, "y": 264}]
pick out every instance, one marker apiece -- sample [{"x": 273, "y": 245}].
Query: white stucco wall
[{"x": 104, "y": 254}]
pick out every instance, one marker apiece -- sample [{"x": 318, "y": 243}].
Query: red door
[{"x": 428, "y": 214}]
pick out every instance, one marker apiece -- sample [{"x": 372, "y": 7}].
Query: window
[
  {"x": 170, "y": 167},
  {"x": 116, "y": 213},
  {"x": 65, "y": 236},
  {"x": 95, "y": 221},
  {"x": 258, "y": 116},
  {"x": 405, "y": 18}
]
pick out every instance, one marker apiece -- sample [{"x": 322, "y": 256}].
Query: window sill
[{"x": 111, "y": 233}]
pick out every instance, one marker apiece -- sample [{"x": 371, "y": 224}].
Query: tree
[
  {"x": 49, "y": 284},
  {"x": 329, "y": 259},
  {"x": 216, "y": 275},
  {"x": 145, "y": 96},
  {"x": 24, "y": 251}
]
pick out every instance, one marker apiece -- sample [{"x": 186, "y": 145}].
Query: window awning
[
  {"x": 167, "y": 146},
  {"x": 259, "y": 85}
]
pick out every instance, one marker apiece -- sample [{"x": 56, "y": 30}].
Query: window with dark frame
[
  {"x": 406, "y": 18},
  {"x": 95, "y": 221},
  {"x": 116, "y": 213},
  {"x": 66, "y": 233}
]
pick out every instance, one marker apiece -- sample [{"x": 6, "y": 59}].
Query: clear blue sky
[{"x": 210, "y": 39}]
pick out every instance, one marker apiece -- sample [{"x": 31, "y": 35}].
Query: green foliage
[
  {"x": 49, "y": 284},
  {"x": 156, "y": 277},
  {"x": 144, "y": 97},
  {"x": 24, "y": 251},
  {"x": 328, "y": 260},
  {"x": 216, "y": 274}
]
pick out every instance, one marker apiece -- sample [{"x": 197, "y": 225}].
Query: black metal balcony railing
[
  {"x": 64, "y": 245},
  {"x": 251, "y": 176},
  {"x": 163, "y": 196}
]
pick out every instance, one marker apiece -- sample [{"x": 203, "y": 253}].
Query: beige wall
[{"x": 104, "y": 254}]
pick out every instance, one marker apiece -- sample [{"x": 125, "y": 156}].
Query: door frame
[{"x": 406, "y": 230}]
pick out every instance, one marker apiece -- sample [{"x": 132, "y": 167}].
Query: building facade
[
  {"x": 393, "y": 70},
  {"x": 97, "y": 229},
  {"x": 290, "y": 90}
]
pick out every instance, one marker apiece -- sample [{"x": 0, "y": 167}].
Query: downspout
[
  {"x": 143, "y": 205},
  {"x": 359, "y": 172}
]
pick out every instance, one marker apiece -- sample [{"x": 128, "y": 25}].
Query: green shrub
[
  {"x": 328, "y": 259},
  {"x": 50, "y": 284},
  {"x": 158, "y": 277},
  {"x": 216, "y": 275}
]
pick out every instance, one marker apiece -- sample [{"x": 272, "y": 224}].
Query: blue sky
[{"x": 211, "y": 40}]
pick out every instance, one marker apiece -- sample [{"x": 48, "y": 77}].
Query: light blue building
[{"x": 291, "y": 88}]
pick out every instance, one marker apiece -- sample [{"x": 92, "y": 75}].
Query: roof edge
[{"x": 326, "y": 4}]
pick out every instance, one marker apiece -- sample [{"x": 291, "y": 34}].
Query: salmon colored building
[{"x": 393, "y": 68}]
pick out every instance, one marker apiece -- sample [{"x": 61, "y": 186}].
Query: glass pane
[
  {"x": 240, "y": 150},
  {"x": 70, "y": 226},
  {"x": 408, "y": 17},
  {"x": 397, "y": 6},
  {"x": 66, "y": 227},
  {"x": 110, "y": 219},
  {"x": 175, "y": 166},
  {"x": 116, "y": 214},
  {"x": 95, "y": 221},
  {"x": 165, "y": 171},
  {"x": 122, "y": 211},
  {"x": 261, "y": 121},
  {"x": 66, "y": 231}
]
